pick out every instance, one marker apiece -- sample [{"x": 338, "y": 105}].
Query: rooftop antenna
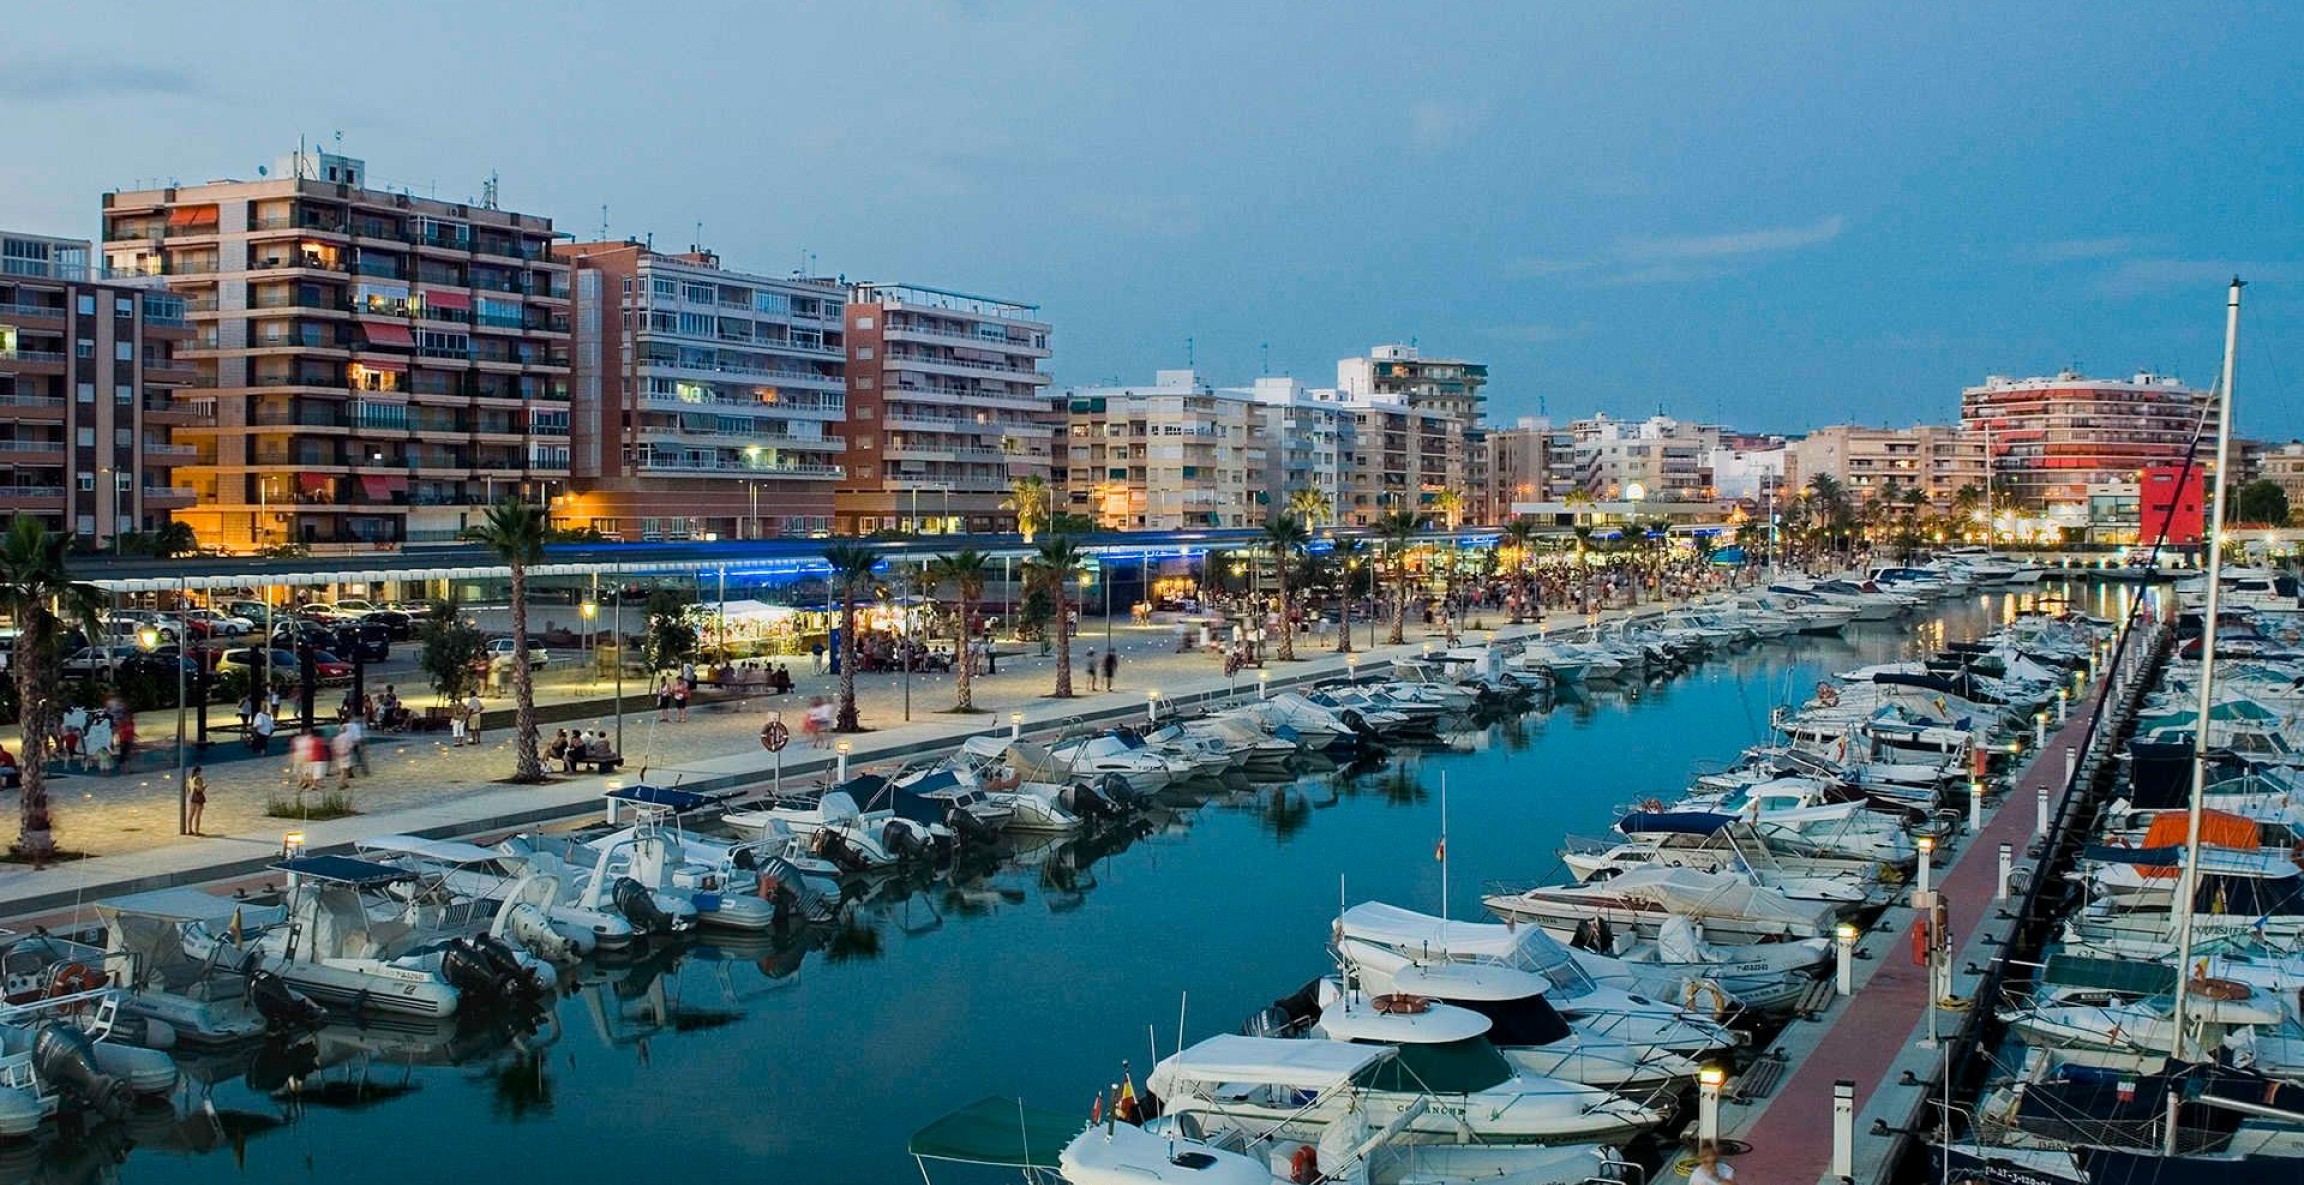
[
  {"x": 488, "y": 191},
  {"x": 603, "y": 222},
  {"x": 1188, "y": 361},
  {"x": 698, "y": 245},
  {"x": 1264, "y": 366}
]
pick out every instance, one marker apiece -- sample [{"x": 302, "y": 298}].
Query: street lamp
[
  {"x": 590, "y": 610},
  {"x": 752, "y": 527}
]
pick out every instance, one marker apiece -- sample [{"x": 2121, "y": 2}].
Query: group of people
[
  {"x": 584, "y": 744},
  {"x": 102, "y": 739},
  {"x": 314, "y": 757},
  {"x": 1110, "y": 667}
]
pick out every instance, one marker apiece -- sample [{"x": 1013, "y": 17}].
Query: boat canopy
[
  {"x": 342, "y": 870},
  {"x": 439, "y": 851},
  {"x": 999, "y": 1132},
  {"x": 1436, "y": 1024},
  {"x": 679, "y": 802},
  {"x": 1467, "y": 982},
  {"x": 175, "y": 905},
  {"x": 1407, "y": 930},
  {"x": 1273, "y": 1061},
  {"x": 1452, "y": 1067},
  {"x": 1673, "y": 822},
  {"x": 2126, "y": 976},
  {"x": 1695, "y": 893}
]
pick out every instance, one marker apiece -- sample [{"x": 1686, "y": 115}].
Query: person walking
[
  {"x": 357, "y": 746},
  {"x": 196, "y": 785},
  {"x": 1111, "y": 667},
  {"x": 247, "y": 712},
  {"x": 681, "y": 688},
  {"x": 473, "y": 708},
  {"x": 1090, "y": 667},
  {"x": 260, "y": 731},
  {"x": 459, "y": 728},
  {"x": 340, "y": 749}
]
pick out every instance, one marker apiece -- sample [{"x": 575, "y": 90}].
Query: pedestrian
[
  {"x": 260, "y": 731},
  {"x": 356, "y": 747},
  {"x": 309, "y": 754},
  {"x": 472, "y": 708},
  {"x": 816, "y": 658},
  {"x": 196, "y": 785},
  {"x": 1710, "y": 1169},
  {"x": 458, "y": 727},
  {"x": 680, "y": 693},
  {"x": 340, "y": 748},
  {"x": 1111, "y": 667},
  {"x": 663, "y": 700},
  {"x": 247, "y": 712},
  {"x": 1090, "y": 667}
]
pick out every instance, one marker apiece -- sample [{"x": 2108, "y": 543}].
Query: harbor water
[{"x": 1035, "y": 977}]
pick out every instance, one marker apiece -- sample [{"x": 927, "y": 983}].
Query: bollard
[
  {"x": 1152, "y": 707},
  {"x": 2063, "y": 705},
  {"x": 840, "y": 768},
  {"x": 1015, "y": 726},
  {"x": 1263, "y": 684},
  {"x": 1846, "y": 933},
  {"x": 1927, "y": 846},
  {"x": 2007, "y": 870},
  {"x": 1708, "y": 1082},
  {"x": 2039, "y": 730},
  {"x": 1844, "y": 1129},
  {"x": 2071, "y": 762},
  {"x": 1975, "y": 806},
  {"x": 2040, "y": 814}
]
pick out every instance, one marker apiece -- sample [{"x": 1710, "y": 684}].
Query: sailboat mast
[{"x": 2188, "y": 884}]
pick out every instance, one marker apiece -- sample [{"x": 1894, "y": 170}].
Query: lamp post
[
  {"x": 1015, "y": 726},
  {"x": 840, "y": 758},
  {"x": 1709, "y": 1080},
  {"x": 616, "y": 627},
  {"x": 1152, "y": 705},
  {"x": 1263, "y": 684},
  {"x": 591, "y": 611},
  {"x": 752, "y": 525}
]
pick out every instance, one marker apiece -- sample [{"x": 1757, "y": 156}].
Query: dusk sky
[{"x": 1776, "y": 215}]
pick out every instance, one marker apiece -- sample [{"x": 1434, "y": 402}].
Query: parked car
[
  {"x": 129, "y": 628},
  {"x": 92, "y": 661},
  {"x": 210, "y": 623},
  {"x": 254, "y": 612},
  {"x": 500, "y": 653},
  {"x": 352, "y": 607},
  {"x": 364, "y": 640},
  {"x": 292, "y": 631},
  {"x": 400, "y": 625},
  {"x": 245, "y": 659}
]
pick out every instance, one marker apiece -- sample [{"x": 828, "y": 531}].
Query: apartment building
[
  {"x": 88, "y": 371},
  {"x": 374, "y": 368},
  {"x": 2052, "y": 438},
  {"x": 945, "y": 409},
  {"x": 707, "y": 403},
  {"x": 1939, "y": 460},
  {"x": 1305, "y": 436},
  {"x": 1176, "y": 455},
  {"x": 1656, "y": 459},
  {"x": 1747, "y": 467},
  {"x": 2283, "y": 466},
  {"x": 1531, "y": 461},
  {"x": 1416, "y": 424}
]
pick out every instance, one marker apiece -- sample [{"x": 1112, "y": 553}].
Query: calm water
[{"x": 1035, "y": 978}]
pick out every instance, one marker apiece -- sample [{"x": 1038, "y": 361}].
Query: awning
[
  {"x": 314, "y": 483},
  {"x": 438, "y": 298},
  {"x": 382, "y": 486},
  {"x": 384, "y": 333},
  {"x": 192, "y": 216},
  {"x": 383, "y": 362}
]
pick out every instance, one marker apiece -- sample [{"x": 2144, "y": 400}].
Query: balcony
[
  {"x": 649, "y": 463},
  {"x": 41, "y": 312},
  {"x": 32, "y": 448},
  {"x": 9, "y": 494},
  {"x": 42, "y": 356},
  {"x": 27, "y": 399},
  {"x": 157, "y": 450}
]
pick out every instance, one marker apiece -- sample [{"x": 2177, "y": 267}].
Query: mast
[{"x": 2187, "y": 884}]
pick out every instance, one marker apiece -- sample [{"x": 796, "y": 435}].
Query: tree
[
  {"x": 2260, "y": 501},
  {"x": 1449, "y": 505},
  {"x": 852, "y": 565},
  {"x": 966, "y": 572},
  {"x": 1398, "y": 529},
  {"x": 1520, "y": 536},
  {"x": 1351, "y": 556},
  {"x": 515, "y": 531},
  {"x": 1287, "y": 536},
  {"x": 1028, "y": 497},
  {"x": 451, "y": 646},
  {"x": 1051, "y": 568},
  {"x": 1311, "y": 506},
  {"x": 170, "y": 540},
  {"x": 39, "y": 594},
  {"x": 668, "y": 638}
]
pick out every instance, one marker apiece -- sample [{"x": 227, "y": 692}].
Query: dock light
[
  {"x": 2016, "y": 747},
  {"x": 1152, "y": 705},
  {"x": 1263, "y": 684},
  {"x": 1845, "y": 935},
  {"x": 1427, "y": 649},
  {"x": 1709, "y": 1080},
  {"x": 2007, "y": 871},
  {"x": 1927, "y": 846},
  {"x": 589, "y": 609},
  {"x": 1015, "y": 726},
  {"x": 1352, "y": 663},
  {"x": 2063, "y": 704},
  {"x": 840, "y": 771},
  {"x": 2039, "y": 730},
  {"x": 1975, "y": 805},
  {"x": 149, "y": 638}
]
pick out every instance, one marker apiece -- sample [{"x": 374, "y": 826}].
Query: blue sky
[{"x": 1780, "y": 215}]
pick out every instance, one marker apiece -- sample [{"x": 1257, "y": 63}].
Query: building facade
[
  {"x": 1416, "y": 432},
  {"x": 1937, "y": 459},
  {"x": 88, "y": 375},
  {"x": 946, "y": 409},
  {"x": 2283, "y": 466},
  {"x": 1304, "y": 436},
  {"x": 706, "y": 402},
  {"x": 1177, "y": 455},
  {"x": 1656, "y": 459},
  {"x": 2052, "y": 438},
  {"x": 1533, "y": 461},
  {"x": 374, "y": 368}
]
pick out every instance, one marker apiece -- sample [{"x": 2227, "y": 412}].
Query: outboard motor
[
  {"x": 829, "y": 845},
  {"x": 906, "y": 841},
  {"x": 467, "y": 971},
  {"x": 968, "y": 827},
  {"x": 1287, "y": 1016},
  {"x": 1116, "y": 791},
  {"x": 284, "y": 1009},
  {"x": 1358, "y": 724},
  {"x": 638, "y": 905},
  {"x": 65, "y": 1059},
  {"x": 1082, "y": 802},
  {"x": 518, "y": 978}
]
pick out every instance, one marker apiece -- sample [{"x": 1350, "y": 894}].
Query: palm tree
[
  {"x": 852, "y": 565},
  {"x": 1350, "y": 556},
  {"x": 1398, "y": 529},
  {"x": 35, "y": 588},
  {"x": 1028, "y": 497},
  {"x": 1052, "y": 565},
  {"x": 966, "y": 571},
  {"x": 1287, "y": 536},
  {"x": 515, "y": 530},
  {"x": 1311, "y": 506},
  {"x": 1520, "y": 535},
  {"x": 1449, "y": 505}
]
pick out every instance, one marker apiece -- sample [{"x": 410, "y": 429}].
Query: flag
[
  {"x": 2127, "y": 1090},
  {"x": 1440, "y": 850},
  {"x": 1096, "y": 1113},
  {"x": 236, "y": 933},
  {"x": 1126, "y": 1107}
]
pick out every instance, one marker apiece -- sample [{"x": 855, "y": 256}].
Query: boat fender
[
  {"x": 1920, "y": 943},
  {"x": 2218, "y": 989},
  {"x": 1401, "y": 1004},
  {"x": 1304, "y": 1165}
]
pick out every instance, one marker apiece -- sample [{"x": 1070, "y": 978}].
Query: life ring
[
  {"x": 1698, "y": 987},
  {"x": 1304, "y": 1165},
  {"x": 1402, "y": 1004},
  {"x": 72, "y": 979},
  {"x": 1652, "y": 806},
  {"x": 1827, "y": 695},
  {"x": 2218, "y": 989}
]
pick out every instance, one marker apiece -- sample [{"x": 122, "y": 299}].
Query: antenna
[
  {"x": 488, "y": 191},
  {"x": 603, "y": 222},
  {"x": 1265, "y": 365},
  {"x": 1188, "y": 360},
  {"x": 698, "y": 245}
]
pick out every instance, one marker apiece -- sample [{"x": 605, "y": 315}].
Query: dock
[{"x": 1889, "y": 1049}]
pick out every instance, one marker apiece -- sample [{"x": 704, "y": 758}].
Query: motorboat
[
  {"x": 205, "y": 1003},
  {"x": 496, "y": 876},
  {"x": 1730, "y": 908},
  {"x": 1123, "y": 755}
]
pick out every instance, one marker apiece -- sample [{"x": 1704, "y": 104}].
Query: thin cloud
[
  {"x": 1738, "y": 243},
  {"x": 1540, "y": 333},
  {"x": 2075, "y": 250},
  {"x": 47, "y": 80},
  {"x": 2142, "y": 277},
  {"x": 1679, "y": 259},
  {"x": 1537, "y": 269}
]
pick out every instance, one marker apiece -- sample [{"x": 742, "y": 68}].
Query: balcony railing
[
  {"x": 30, "y": 356},
  {"x": 31, "y": 491},
  {"x": 27, "y": 399},
  {"x": 42, "y": 447},
  {"x": 735, "y": 468},
  {"x": 52, "y": 312}
]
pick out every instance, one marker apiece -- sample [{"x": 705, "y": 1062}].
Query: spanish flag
[
  {"x": 1440, "y": 851},
  {"x": 1126, "y": 1107},
  {"x": 236, "y": 931}
]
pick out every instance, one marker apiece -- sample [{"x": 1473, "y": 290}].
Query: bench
[{"x": 605, "y": 765}]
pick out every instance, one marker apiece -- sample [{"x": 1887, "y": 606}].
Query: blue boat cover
[
  {"x": 1673, "y": 822},
  {"x": 2169, "y": 857},
  {"x": 343, "y": 870},
  {"x": 677, "y": 801}
]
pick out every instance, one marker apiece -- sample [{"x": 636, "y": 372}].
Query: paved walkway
[
  {"x": 421, "y": 784},
  {"x": 1790, "y": 1132}
]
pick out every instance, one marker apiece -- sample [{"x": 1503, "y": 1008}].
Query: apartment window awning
[
  {"x": 395, "y": 365},
  {"x": 379, "y": 486},
  {"x": 183, "y": 216},
  {"x": 436, "y": 298},
  {"x": 385, "y": 334},
  {"x": 314, "y": 483}
]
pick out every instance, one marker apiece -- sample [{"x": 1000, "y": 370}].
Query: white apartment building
[
  {"x": 1176, "y": 455},
  {"x": 1306, "y": 435},
  {"x": 1743, "y": 470},
  {"x": 1656, "y": 459}
]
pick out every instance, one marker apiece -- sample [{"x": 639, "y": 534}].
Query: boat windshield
[
  {"x": 1449, "y": 1067},
  {"x": 1529, "y": 1020}
]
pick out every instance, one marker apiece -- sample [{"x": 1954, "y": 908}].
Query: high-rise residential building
[
  {"x": 1657, "y": 459},
  {"x": 1939, "y": 460},
  {"x": 1305, "y": 435},
  {"x": 1417, "y": 433},
  {"x": 945, "y": 409},
  {"x": 2283, "y": 466},
  {"x": 2052, "y": 438},
  {"x": 1746, "y": 467},
  {"x": 707, "y": 402},
  {"x": 375, "y": 368},
  {"x": 1531, "y": 461},
  {"x": 1176, "y": 455},
  {"x": 88, "y": 370}
]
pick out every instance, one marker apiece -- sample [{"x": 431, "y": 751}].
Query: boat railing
[{"x": 1588, "y": 845}]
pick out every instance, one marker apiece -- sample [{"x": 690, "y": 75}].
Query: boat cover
[
  {"x": 176, "y": 905},
  {"x": 1437, "y": 1023},
  {"x": 1696, "y": 893},
  {"x": 999, "y": 1132},
  {"x": 342, "y": 869},
  {"x": 1405, "y": 929},
  {"x": 1673, "y": 822},
  {"x": 439, "y": 851},
  {"x": 679, "y": 802},
  {"x": 2126, "y": 976},
  {"x": 1273, "y": 1061}
]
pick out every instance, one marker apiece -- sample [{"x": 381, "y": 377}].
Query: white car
[
  {"x": 355, "y": 608},
  {"x": 500, "y": 654},
  {"x": 226, "y": 624}
]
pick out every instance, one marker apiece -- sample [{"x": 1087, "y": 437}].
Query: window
[
  {"x": 863, "y": 322},
  {"x": 87, "y": 481},
  {"x": 863, "y": 353},
  {"x": 86, "y": 348},
  {"x": 770, "y": 302},
  {"x": 696, "y": 324},
  {"x": 864, "y": 383},
  {"x": 87, "y": 392},
  {"x": 123, "y": 393},
  {"x": 87, "y": 304},
  {"x": 702, "y": 294},
  {"x": 123, "y": 306},
  {"x": 124, "y": 481},
  {"x": 124, "y": 437},
  {"x": 124, "y": 351},
  {"x": 86, "y": 437}
]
